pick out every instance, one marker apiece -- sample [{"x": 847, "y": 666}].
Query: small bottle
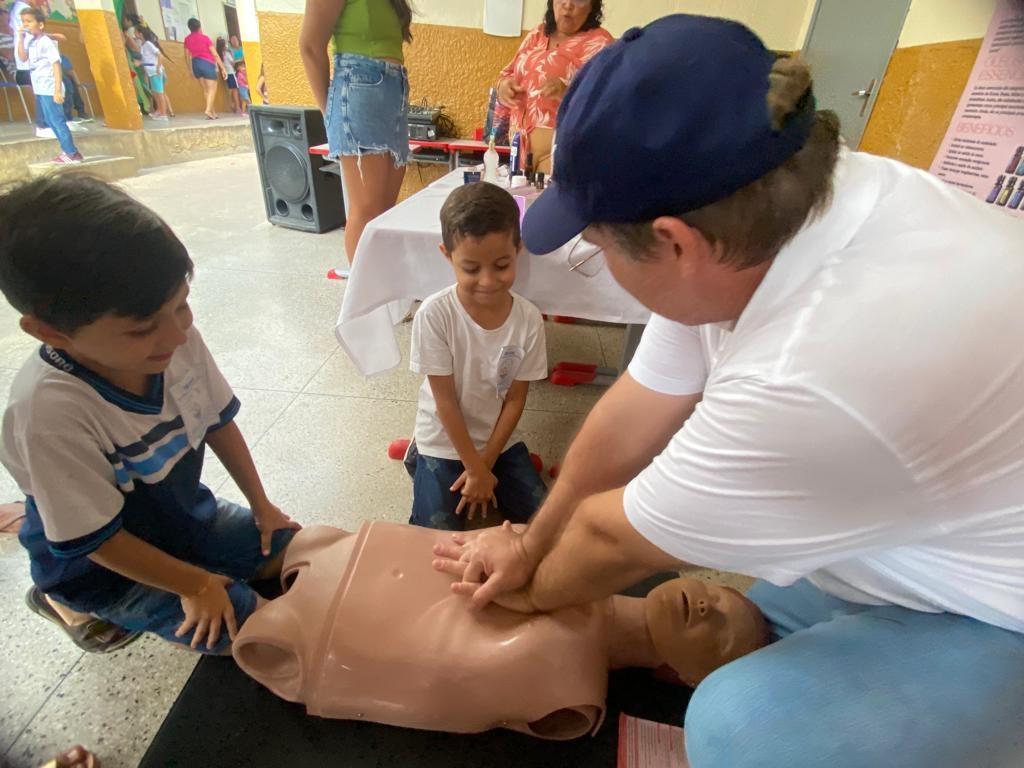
[
  {"x": 539, "y": 180},
  {"x": 491, "y": 162},
  {"x": 1016, "y": 159},
  {"x": 1020, "y": 168},
  {"x": 513, "y": 157},
  {"x": 1015, "y": 200},
  {"x": 995, "y": 190},
  {"x": 1007, "y": 191}
]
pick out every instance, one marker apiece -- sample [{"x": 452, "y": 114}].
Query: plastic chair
[{"x": 7, "y": 85}]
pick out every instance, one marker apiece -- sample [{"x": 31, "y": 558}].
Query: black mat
[{"x": 224, "y": 718}]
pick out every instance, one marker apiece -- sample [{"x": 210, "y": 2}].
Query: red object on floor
[
  {"x": 538, "y": 464},
  {"x": 397, "y": 449},
  {"x": 565, "y": 319},
  {"x": 337, "y": 274},
  {"x": 555, "y": 469}
]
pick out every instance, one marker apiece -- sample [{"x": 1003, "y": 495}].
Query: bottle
[
  {"x": 491, "y": 162},
  {"x": 1020, "y": 168},
  {"x": 1016, "y": 159},
  {"x": 995, "y": 190},
  {"x": 513, "y": 157},
  {"x": 1007, "y": 191},
  {"x": 1017, "y": 197}
]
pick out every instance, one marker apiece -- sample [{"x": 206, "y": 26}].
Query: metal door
[{"x": 848, "y": 47}]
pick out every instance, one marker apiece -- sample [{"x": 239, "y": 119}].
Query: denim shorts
[
  {"x": 367, "y": 108},
  {"x": 232, "y": 83},
  {"x": 156, "y": 83},
  {"x": 203, "y": 69},
  {"x": 519, "y": 492},
  {"x": 231, "y": 547}
]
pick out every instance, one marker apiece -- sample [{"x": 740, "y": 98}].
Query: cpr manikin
[{"x": 369, "y": 630}]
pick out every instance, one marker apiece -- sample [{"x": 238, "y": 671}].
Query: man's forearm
[
  {"x": 141, "y": 562},
  {"x": 229, "y": 446},
  {"x": 598, "y": 554},
  {"x": 623, "y": 433}
]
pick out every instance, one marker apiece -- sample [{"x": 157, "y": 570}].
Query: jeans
[
  {"x": 53, "y": 113},
  {"x": 519, "y": 490},
  {"x": 849, "y": 686},
  {"x": 24, "y": 77},
  {"x": 230, "y": 547},
  {"x": 72, "y": 98}
]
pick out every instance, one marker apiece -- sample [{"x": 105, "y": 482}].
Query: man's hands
[
  {"x": 207, "y": 610},
  {"x": 494, "y": 566},
  {"x": 270, "y": 518},
  {"x": 477, "y": 488},
  {"x": 509, "y": 92}
]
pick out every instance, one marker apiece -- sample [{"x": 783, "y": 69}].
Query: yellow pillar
[
  {"x": 249, "y": 27},
  {"x": 104, "y": 43}
]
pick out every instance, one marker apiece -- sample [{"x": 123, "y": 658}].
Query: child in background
[
  {"x": 261, "y": 86},
  {"x": 480, "y": 345},
  {"x": 43, "y": 56},
  {"x": 243, "y": 86},
  {"x": 228, "y": 59},
  {"x": 153, "y": 59},
  {"x": 108, "y": 421}
]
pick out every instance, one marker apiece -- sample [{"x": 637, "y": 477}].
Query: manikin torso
[{"x": 368, "y": 629}]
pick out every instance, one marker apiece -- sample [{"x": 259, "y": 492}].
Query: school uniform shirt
[
  {"x": 42, "y": 55},
  {"x": 93, "y": 459},
  {"x": 150, "y": 57},
  {"x": 862, "y": 424},
  {"x": 446, "y": 341}
]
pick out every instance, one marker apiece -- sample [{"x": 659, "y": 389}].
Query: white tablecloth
[{"x": 398, "y": 261}]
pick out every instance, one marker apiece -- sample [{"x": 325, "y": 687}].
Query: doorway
[{"x": 848, "y": 47}]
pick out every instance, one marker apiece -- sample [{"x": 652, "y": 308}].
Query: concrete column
[
  {"x": 104, "y": 43},
  {"x": 279, "y": 23},
  {"x": 249, "y": 27}
]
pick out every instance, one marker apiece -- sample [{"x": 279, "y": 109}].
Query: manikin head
[{"x": 698, "y": 627}]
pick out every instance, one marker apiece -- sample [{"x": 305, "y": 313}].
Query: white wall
[
  {"x": 938, "y": 21},
  {"x": 211, "y": 16}
]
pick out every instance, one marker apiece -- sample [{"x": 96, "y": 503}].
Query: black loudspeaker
[{"x": 298, "y": 193}]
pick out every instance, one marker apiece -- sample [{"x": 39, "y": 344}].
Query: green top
[{"x": 369, "y": 28}]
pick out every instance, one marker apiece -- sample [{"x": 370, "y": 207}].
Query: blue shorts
[
  {"x": 367, "y": 108},
  {"x": 156, "y": 83},
  {"x": 519, "y": 491},
  {"x": 231, "y": 547},
  {"x": 203, "y": 69},
  {"x": 232, "y": 83},
  {"x": 243, "y": 91}
]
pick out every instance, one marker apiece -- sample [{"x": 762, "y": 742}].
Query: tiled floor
[{"x": 317, "y": 429}]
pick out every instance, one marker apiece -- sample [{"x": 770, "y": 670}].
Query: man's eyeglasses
[{"x": 585, "y": 258}]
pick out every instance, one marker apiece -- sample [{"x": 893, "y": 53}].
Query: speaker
[{"x": 299, "y": 193}]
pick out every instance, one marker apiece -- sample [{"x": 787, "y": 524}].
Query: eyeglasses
[{"x": 585, "y": 258}]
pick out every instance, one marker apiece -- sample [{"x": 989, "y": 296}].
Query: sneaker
[
  {"x": 76, "y": 128},
  {"x": 65, "y": 159},
  {"x": 45, "y": 133},
  {"x": 77, "y": 157}
]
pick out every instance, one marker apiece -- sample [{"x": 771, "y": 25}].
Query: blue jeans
[
  {"x": 850, "y": 686},
  {"x": 519, "y": 490},
  {"x": 231, "y": 547},
  {"x": 53, "y": 113},
  {"x": 367, "y": 108}
]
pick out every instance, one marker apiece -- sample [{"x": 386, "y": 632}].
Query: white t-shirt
[
  {"x": 17, "y": 30},
  {"x": 447, "y": 341},
  {"x": 229, "y": 61},
  {"x": 150, "y": 57},
  {"x": 862, "y": 425}
]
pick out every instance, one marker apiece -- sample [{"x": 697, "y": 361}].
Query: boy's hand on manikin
[{"x": 477, "y": 489}]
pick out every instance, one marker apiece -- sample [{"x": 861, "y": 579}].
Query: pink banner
[{"x": 983, "y": 152}]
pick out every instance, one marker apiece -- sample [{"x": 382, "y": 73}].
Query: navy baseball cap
[{"x": 669, "y": 118}]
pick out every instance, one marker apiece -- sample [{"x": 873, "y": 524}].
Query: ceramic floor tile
[
  {"x": 111, "y": 703},
  {"x": 260, "y": 409},
  {"x": 339, "y": 376},
  {"x": 15, "y": 344},
  {"x": 266, "y": 331},
  {"x": 325, "y": 461},
  {"x": 35, "y": 654},
  {"x": 612, "y": 338},
  {"x": 578, "y": 343}
]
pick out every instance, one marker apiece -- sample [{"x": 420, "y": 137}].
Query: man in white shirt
[{"x": 829, "y": 397}]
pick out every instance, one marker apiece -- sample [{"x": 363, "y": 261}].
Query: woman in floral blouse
[{"x": 532, "y": 84}]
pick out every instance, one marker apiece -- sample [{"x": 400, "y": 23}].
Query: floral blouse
[{"x": 533, "y": 65}]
